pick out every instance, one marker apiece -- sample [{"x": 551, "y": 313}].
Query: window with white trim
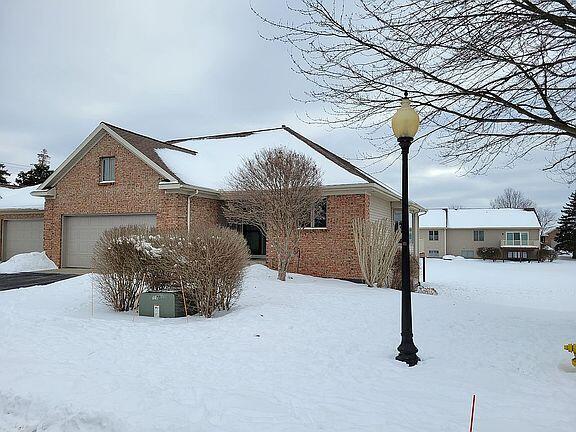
[
  {"x": 433, "y": 253},
  {"x": 517, "y": 238},
  {"x": 107, "y": 169},
  {"x": 433, "y": 235},
  {"x": 478, "y": 235}
]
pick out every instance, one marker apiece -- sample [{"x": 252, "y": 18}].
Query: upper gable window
[{"x": 107, "y": 169}]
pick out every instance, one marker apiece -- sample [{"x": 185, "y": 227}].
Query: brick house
[{"x": 117, "y": 177}]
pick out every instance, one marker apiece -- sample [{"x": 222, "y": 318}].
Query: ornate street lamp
[{"x": 405, "y": 124}]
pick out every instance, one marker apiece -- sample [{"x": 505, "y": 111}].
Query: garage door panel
[
  {"x": 21, "y": 236},
  {"x": 80, "y": 234}
]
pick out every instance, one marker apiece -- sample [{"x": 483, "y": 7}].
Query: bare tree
[
  {"x": 546, "y": 217},
  {"x": 512, "y": 198},
  {"x": 275, "y": 190},
  {"x": 493, "y": 79}
]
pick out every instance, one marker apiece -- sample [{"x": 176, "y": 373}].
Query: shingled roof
[{"x": 148, "y": 146}]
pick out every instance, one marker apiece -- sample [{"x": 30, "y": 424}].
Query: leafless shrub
[
  {"x": 121, "y": 259},
  {"x": 275, "y": 190},
  {"x": 395, "y": 280},
  {"x": 208, "y": 264},
  {"x": 376, "y": 244}
]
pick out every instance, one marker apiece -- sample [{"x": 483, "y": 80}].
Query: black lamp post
[{"x": 405, "y": 123}]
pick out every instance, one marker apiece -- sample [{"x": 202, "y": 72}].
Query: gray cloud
[{"x": 181, "y": 68}]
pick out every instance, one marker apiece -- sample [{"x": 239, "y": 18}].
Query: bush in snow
[
  {"x": 209, "y": 265},
  {"x": 376, "y": 244},
  {"x": 547, "y": 254},
  {"x": 489, "y": 253},
  {"x": 395, "y": 279},
  {"x": 122, "y": 258}
]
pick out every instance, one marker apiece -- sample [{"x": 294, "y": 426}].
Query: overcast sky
[{"x": 183, "y": 68}]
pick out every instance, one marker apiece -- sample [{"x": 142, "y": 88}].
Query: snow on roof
[
  {"x": 433, "y": 219},
  {"x": 480, "y": 218},
  {"x": 218, "y": 157},
  {"x": 20, "y": 199}
]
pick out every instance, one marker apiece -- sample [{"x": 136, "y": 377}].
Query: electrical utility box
[{"x": 161, "y": 304}]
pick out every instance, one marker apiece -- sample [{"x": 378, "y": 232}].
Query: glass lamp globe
[{"x": 405, "y": 121}]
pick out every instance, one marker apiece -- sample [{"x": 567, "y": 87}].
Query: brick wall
[
  {"x": 135, "y": 190},
  {"x": 330, "y": 252},
  {"x": 12, "y": 216}
]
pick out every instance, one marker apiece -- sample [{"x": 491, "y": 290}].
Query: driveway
[{"x": 10, "y": 281}]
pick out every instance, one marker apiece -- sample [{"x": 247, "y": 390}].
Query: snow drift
[{"x": 27, "y": 262}]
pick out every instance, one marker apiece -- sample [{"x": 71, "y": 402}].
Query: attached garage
[
  {"x": 22, "y": 235},
  {"x": 80, "y": 234}
]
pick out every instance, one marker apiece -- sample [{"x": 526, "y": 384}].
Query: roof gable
[{"x": 140, "y": 145}]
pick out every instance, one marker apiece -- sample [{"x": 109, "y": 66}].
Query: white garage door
[
  {"x": 80, "y": 234},
  {"x": 19, "y": 236}
]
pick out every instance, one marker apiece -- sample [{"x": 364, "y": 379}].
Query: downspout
[{"x": 188, "y": 210}]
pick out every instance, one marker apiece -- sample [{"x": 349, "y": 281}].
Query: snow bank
[
  {"x": 11, "y": 199},
  {"x": 448, "y": 257},
  {"x": 19, "y": 414},
  {"x": 309, "y": 354},
  {"x": 27, "y": 262}
]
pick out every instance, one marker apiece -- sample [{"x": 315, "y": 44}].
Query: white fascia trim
[
  {"x": 370, "y": 188},
  {"x": 62, "y": 168},
  {"x": 138, "y": 153},
  {"x": 47, "y": 193},
  {"x": 174, "y": 186},
  {"x": 16, "y": 210}
]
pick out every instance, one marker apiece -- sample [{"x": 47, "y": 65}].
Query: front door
[{"x": 255, "y": 239}]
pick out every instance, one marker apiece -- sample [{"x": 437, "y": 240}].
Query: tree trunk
[{"x": 282, "y": 268}]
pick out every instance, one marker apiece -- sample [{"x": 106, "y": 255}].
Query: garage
[
  {"x": 22, "y": 235},
  {"x": 80, "y": 234}
]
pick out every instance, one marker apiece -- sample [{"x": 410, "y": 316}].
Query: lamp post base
[{"x": 411, "y": 359}]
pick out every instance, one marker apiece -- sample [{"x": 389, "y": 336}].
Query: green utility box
[{"x": 161, "y": 304}]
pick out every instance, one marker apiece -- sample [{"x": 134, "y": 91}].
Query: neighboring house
[
  {"x": 462, "y": 231},
  {"x": 549, "y": 237},
  {"x": 21, "y": 221},
  {"x": 116, "y": 177}
]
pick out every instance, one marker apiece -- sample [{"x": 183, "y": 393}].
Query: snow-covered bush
[
  {"x": 489, "y": 253},
  {"x": 122, "y": 258},
  {"x": 395, "y": 279},
  {"x": 209, "y": 264}
]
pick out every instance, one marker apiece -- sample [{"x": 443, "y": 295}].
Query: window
[
  {"x": 517, "y": 255},
  {"x": 433, "y": 235},
  {"x": 517, "y": 239},
  {"x": 318, "y": 216},
  {"x": 433, "y": 253},
  {"x": 467, "y": 253},
  {"x": 397, "y": 219},
  {"x": 478, "y": 235},
  {"x": 107, "y": 169}
]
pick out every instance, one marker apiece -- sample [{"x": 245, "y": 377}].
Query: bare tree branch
[{"x": 493, "y": 79}]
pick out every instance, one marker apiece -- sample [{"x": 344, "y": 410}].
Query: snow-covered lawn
[{"x": 308, "y": 355}]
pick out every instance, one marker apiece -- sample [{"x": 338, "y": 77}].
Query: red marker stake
[{"x": 472, "y": 414}]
